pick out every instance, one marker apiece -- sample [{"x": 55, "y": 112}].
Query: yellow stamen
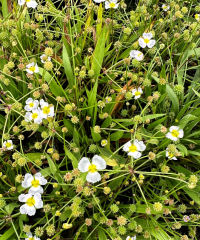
[
  {"x": 8, "y": 144},
  {"x": 137, "y": 93},
  {"x": 31, "y": 104},
  {"x": 132, "y": 148},
  {"x": 34, "y": 115},
  {"x": 171, "y": 155},
  {"x": 32, "y": 69},
  {"x": 92, "y": 168},
  {"x": 30, "y": 201},
  {"x": 112, "y": 5},
  {"x": 46, "y": 110},
  {"x": 175, "y": 133},
  {"x": 35, "y": 183},
  {"x": 146, "y": 40},
  {"x": 28, "y": 0}
]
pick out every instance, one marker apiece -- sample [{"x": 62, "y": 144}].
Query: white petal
[
  {"x": 151, "y": 43},
  {"x": 29, "y": 100},
  {"x": 126, "y": 146},
  {"x": 21, "y": 2},
  {"x": 181, "y": 133},
  {"x": 27, "y": 180},
  {"x": 169, "y": 135},
  {"x": 99, "y": 162},
  {"x": 36, "y": 66},
  {"x": 141, "y": 146},
  {"x": 133, "y": 53},
  {"x": 30, "y": 65},
  {"x": 23, "y": 197},
  {"x": 28, "y": 108},
  {"x": 30, "y": 211},
  {"x": 38, "y": 201},
  {"x": 173, "y": 128},
  {"x": 23, "y": 209},
  {"x": 28, "y": 117},
  {"x": 93, "y": 177},
  {"x": 34, "y": 190},
  {"x": 84, "y": 164},
  {"x": 135, "y": 155},
  {"x": 147, "y": 35},
  {"x": 142, "y": 43},
  {"x": 32, "y": 4},
  {"x": 107, "y": 5}
]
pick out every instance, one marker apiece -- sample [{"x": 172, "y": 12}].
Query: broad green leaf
[
  {"x": 116, "y": 136},
  {"x": 52, "y": 166},
  {"x": 171, "y": 94},
  {"x": 71, "y": 157},
  {"x": 98, "y": 55},
  {"x": 67, "y": 65}
]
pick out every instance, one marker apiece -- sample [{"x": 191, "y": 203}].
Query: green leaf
[
  {"x": 10, "y": 207},
  {"x": 71, "y": 157},
  {"x": 96, "y": 136},
  {"x": 52, "y": 166},
  {"x": 67, "y": 65},
  {"x": 186, "y": 119},
  {"x": 8, "y": 234},
  {"x": 4, "y": 8},
  {"x": 101, "y": 234},
  {"x": 98, "y": 55},
  {"x": 116, "y": 136},
  {"x": 92, "y": 101},
  {"x": 173, "y": 98}
]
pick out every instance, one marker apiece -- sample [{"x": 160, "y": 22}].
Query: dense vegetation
[{"x": 99, "y": 120}]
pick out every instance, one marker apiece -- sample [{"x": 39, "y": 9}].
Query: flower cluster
[
  {"x": 32, "y": 200},
  {"x": 38, "y": 110}
]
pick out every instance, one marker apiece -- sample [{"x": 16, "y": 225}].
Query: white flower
[
  {"x": 165, "y": 7},
  {"x": 35, "y": 115},
  {"x": 98, "y": 163},
  {"x": 111, "y": 4},
  {"x": 32, "y": 68},
  {"x": 99, "y": 1},
  {"x": 131, "y": 238},
  {"x": 31, "y": 104},
  {"x": 170, "y": 155},
  {"x": 146, "y": 40},
  {"x": 31, "y": 203},
  {"x": 134, "y": 149},
  {"x": 197, "y": 17},
  {"x": 34, "y": 182},
  {"x": 175, "y": 133},
  {"x": 46, "y": 109},
  {"x": 104, "y": 142},
  {"x": 108, "y": 99},
  {"x": 44, "y": 58},
  {"x": 137, "y": 55},
  {"x": 29, "y": 3},
  {"x": 8, "y": 145},
  {"x": 30, "y": 237},
  {"x": 137, "y": 92}
]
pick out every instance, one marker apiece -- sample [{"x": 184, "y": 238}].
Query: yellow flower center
[
  {"x": 30, "y": 201},
  {"x": 137, "y": 93},
  {"x": 31, "y": 104},
  {"x": 171, "y": 155},
  {"x": 35, "y": 183},
  {"x": 139, "y": 54},
  {"x": 146, "y": 40},
  {"x": 34, "y": 115},
  {"x": 197, "y": 17},
  {"x": 8, "y": 144},
  {"x": 164, "y": 7},
  {"x": 31, "y": 238},
  {"x": 175, "y": 133},
  {"x": 92, "y": 168},
  {"x": 32, "y": 69},
  {"x": 46, "y": 110},
  {"x": 112, "y": 5},
  {"x": 132, "y": 148}
]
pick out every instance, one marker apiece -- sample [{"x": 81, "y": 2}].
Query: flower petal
[
  {"x": 151, "y": 43},
  {"x": 84, "y": 164},
  {"x": 99, "y": 162},
  {"x": 135, "y": 155},
  {"x": 126, "y": 146},
  {"x": 27, "y": 180},
  {"x": 147, "y": 35},
  {"x": 93, "y": 177},
  {"x": 142, "y": 43}
]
